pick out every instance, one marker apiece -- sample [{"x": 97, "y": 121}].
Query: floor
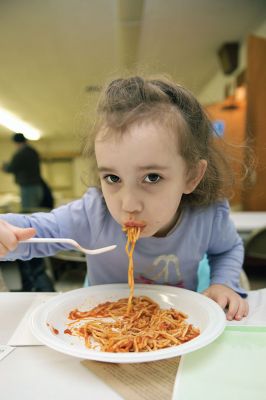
[{"x": 72, "y": 276}]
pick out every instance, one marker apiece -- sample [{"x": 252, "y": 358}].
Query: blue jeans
[
  {"x": 34, "y": 277},
  {"x": 32, "y": 272},
  {"x": 31, "y": 196}
]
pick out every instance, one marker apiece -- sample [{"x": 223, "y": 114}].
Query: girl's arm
[
  {"x": 81, "y": 220},
  {"x": 17, "y": 227},
  {"x": 225, "y": 251},
  {"x": 225, "y": 255}
]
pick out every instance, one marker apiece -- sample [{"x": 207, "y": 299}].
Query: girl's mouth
[{"x": 134, "y": 224}]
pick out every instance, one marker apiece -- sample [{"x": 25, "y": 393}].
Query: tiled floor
[{"x": 72, "y": 277}]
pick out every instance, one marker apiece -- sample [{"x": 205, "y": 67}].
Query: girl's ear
[{"x": 195, "y": 177}]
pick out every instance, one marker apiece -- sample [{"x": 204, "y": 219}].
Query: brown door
[{"x": 254, "y": 198}]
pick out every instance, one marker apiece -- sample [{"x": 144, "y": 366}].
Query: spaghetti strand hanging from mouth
[{"x": 133, "y": 233}]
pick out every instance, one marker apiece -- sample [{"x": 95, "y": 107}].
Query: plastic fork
[{"x": 72, "y": 242}]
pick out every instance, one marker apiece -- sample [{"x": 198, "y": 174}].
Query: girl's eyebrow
[
  {"x": 153, "y": 167},
  {"x": 104, "y": 169},
  {"x": 141, "y": 168}
]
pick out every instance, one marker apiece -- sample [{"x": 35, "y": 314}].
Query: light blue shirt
[{"x": 171, "y": 260}]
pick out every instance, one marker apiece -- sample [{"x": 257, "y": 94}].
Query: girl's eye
[
  {"x": 152, "y": 178},
  {"x": 111, "y": 179}
]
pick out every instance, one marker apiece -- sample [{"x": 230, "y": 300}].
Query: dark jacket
[
  {"x": 48, "y": 199},
  {"x": 25, "y": 165}
]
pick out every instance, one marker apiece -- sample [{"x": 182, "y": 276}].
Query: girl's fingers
[
  {"x": 246, "y": 308},
  {"x": 24, "y": 233},
  {"x": 3, "y": 250},
  {"x": 11, "y": 235},
  {"x": 222, "y": 300},
  {"x": 8, "y": 241},
  {"x": 242, "y": 310},
  {"x": 232, "y": 308},
  {"x": 231, "y": 302}
]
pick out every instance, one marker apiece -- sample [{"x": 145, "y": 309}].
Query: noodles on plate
[
  {"x": 134, "y": 324},
  {"x": 145, "y": 328}
]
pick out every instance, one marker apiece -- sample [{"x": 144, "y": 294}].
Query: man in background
[
  {"x": 25, "y": 165},
  {"x": 35, "y": 194}
]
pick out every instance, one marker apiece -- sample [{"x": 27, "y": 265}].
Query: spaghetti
[
  {"x": 145, "y": 328},
  {"x": 133, "y": 233},
  {"x": 136, "y": 324}
]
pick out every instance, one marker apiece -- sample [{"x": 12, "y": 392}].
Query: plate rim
[{"x": 219, "y": 323}]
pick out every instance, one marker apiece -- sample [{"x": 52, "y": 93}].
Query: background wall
[
  {"x": 63, "y": 166},
  {"x": 214, "y": 91}
]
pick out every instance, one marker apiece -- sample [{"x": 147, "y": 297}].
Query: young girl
[{"x": 158, "y": 167}]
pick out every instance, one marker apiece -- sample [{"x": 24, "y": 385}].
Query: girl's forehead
[
  {"x": 140, "y": 148},
  {"x": 139, "y": 130},
  {"x": 139, "y": 144}
]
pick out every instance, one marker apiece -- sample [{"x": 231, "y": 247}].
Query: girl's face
[{"x": 143, "y": 176}]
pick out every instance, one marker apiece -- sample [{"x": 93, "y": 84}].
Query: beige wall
[{"x": 66, "y": 177}]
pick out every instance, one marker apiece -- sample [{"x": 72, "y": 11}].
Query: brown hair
[{"x": 135, "y": 99}]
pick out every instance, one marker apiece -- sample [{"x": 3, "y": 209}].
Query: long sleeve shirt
[{"x": 170, "y": 260}]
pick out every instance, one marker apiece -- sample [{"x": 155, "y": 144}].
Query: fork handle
[{"x": 49, "y": 240}]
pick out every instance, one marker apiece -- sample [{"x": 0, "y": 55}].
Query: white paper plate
[{"x": 203, "y": 313}]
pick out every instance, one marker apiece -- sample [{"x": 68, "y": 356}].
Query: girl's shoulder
[
  {"x": 207, "y": 218},
  {"x": 220, "y": 208},
  {"x": 85, "y": 218},
  {"x": 91, "y": 199},
  {"x": 208, "y": 223},
  {"x": 93, "y": 196},
  {"x": 89, "y": 208},
  {"x": 91, "y": 205}
]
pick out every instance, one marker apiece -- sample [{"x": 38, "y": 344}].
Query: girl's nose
[{"x": 131, "y": 203}]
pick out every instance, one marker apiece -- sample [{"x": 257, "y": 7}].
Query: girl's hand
[
  {"x": 10, "y": 235},
  {"x": 229, "y": 300}
]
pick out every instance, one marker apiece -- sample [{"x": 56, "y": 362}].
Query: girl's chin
[{"x": 145, "y": 233}]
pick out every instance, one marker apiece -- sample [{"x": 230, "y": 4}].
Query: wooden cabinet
[
  {"x": 254, "y": 198},
  {"x": 245, "y": 124}
]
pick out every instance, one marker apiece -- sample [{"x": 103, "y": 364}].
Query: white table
[
  {"x": 37, "y": 372},
  {"x": 247, "y": 221}
]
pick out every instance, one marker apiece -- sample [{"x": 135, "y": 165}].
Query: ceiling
[{"x": 53, "y": 50}]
